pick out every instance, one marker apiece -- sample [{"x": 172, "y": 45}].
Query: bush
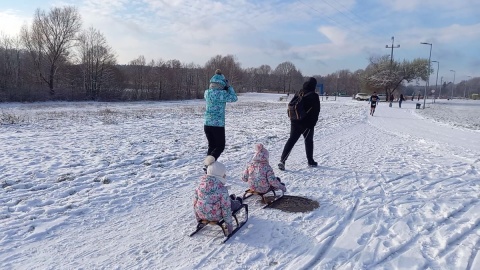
[{"x": 10, "y": 118}]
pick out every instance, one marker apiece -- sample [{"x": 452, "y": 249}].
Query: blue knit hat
[{"x": 218, "y": 80}]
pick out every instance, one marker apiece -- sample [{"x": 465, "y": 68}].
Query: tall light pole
[
  {"x": 391, "y": 65},
  {"x": 465, "y": 89},
  {"x": 441, "y": 86},
  {"x": 453, "y": 85},
  {"x": 438, "y": 67},
  {"x": 428, "y": 80},
  {"x": 393, "y": 47},
  {"x": 336, "y": 82}
]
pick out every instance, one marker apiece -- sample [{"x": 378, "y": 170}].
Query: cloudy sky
[{"x": 319, "y": 37}]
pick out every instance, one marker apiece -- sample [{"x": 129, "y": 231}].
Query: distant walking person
[
  {"x": 373, "y": 102},
  {"x": 418, "y": 97},
  {"x": 216, "y": 97},
  {"x": 400, "y": 100},
  {"x": 304, "y": 126}
]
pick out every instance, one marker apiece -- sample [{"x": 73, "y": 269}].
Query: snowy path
[{"x": 396, "y": 191}]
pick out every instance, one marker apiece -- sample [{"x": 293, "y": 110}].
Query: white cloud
[
  {"x": 405, "y": 4},
  {"x": 336, "y": 35},
  {"x": 104, "y": 7},
  {"x": 449, "y": 5},
  {"x": 449, "y": 34},
  {"x": 192, "y": 30},
  {"x": 11, "y": 22},
  {"x": 270, "y": 31}
]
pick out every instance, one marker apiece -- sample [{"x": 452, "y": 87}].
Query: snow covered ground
[
  {"x": 110, "y": 186},
  {"x": 455, "y": 112}
]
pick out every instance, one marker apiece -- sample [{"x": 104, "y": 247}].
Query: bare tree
[
  {"x": 193, "y": 85},
  {"x": 229, "y": 66},
  {"x": 285, "y": 71},
  {"x": 264, "y": 73},
  {"x": 355, "y": 82},
  {"x": 139, "y": 75},
  {"x": 157, "y": 79},
  {"x": 343, "y": 82},
  {"x": 49, "y": 40},
  {"x": 96, "y": 58},
  {"x": 9, "y": 62},
  {"x": 330, "y": 82},
  {"x": 174, "y": 77}
]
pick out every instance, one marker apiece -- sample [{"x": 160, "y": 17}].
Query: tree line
[{"x": 53, "y": 58}]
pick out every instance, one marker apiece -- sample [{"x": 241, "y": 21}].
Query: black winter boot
[{"x": 240, "y": 200}]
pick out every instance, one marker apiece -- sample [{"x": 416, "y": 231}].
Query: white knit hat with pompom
[{"x": 218, "y": 170}]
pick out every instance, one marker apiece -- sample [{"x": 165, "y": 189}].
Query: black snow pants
[
  {"x": 216, "y": 140},
  {"x": 296, "y": 130}
]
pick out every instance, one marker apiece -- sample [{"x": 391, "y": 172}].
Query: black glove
[{"x": 226, "y": 85}]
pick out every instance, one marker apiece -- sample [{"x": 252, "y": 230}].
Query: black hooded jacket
[{"x": 311, "y": 103}]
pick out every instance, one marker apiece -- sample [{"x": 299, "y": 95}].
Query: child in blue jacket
[{"x": 216, "y": 97}]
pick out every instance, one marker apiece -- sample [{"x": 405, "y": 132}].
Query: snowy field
[
  {"x": 110, "y": 186},
  {"x": 455, "y": 112}
]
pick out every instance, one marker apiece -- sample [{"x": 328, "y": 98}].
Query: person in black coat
[
  {"x": 304, "y": 126},
  {"x": 400, "y": 100}
]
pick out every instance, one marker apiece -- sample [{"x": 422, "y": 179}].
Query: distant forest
[{"x": 53, "y": 58}]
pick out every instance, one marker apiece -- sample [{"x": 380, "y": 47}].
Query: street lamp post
[
  {"x": 453, "y": 85},
  {"x": 428, "y": 80},
  {"x": 436, "y": 80},
  {"x": 441, "y": 86},
  {"x": 336, "y": 84},
  {"x": 465, "y": 89}
]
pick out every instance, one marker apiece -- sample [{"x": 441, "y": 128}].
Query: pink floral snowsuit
[
  {"x": 259, "y": 174},
  {"x": 211, "y": 201}
]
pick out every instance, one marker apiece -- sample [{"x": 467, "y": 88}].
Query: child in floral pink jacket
[
  {"x": 259, "y": 174},
  {"x": 211, "y": 201}
]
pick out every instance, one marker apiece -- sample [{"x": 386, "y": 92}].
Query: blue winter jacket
[{"x": 216, "y": 102}]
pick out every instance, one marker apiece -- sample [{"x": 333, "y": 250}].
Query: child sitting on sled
[
  {"x": 211, "y": 201},
  {"x": 259, "y": 174}
]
